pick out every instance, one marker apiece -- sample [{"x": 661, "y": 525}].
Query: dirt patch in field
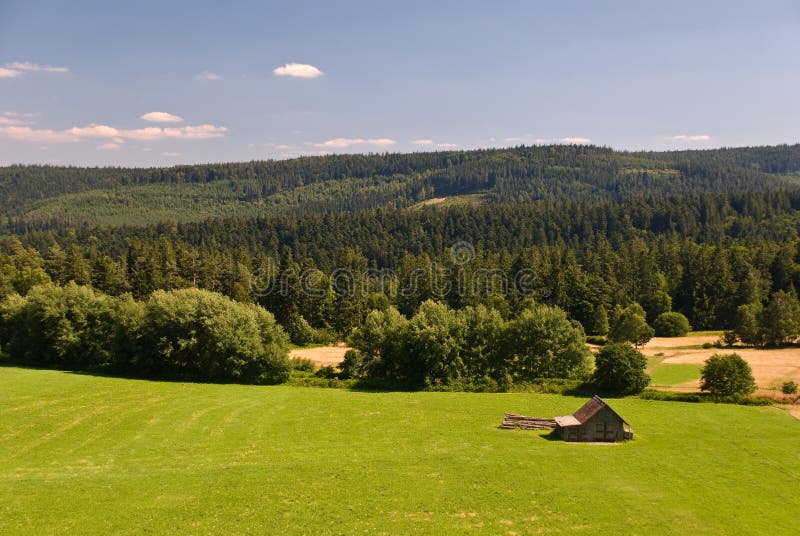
[
  {"x": 793, "y": 409},
  {"x": 658, "y": 344},
  {"x": 322, "y": 355}
]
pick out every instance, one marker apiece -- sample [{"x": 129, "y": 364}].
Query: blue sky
[{"x": 80, "y": 80}]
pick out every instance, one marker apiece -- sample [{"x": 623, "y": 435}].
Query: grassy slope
[{"x": 86, "y": 454}]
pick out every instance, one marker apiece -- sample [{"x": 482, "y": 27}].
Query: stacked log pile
[{"x": 511, "y": 421}]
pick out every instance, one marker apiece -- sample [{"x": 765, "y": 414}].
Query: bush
[
  {"x": 729, "y": 338},
  {"x": 727, "y": 375},
  {"x": 620, "y": 370},
  {"x": 328, "y": 372},
  {"x": 779, "y": 321},
  {"x": 789, "y": 388},
  {"x": 300, "y": 331},
  {"x": 596, "y": 339},
  {"x": 671, "y": 324},
  {"x": 631, "y": 326},
  {"x": 71, "y": 327},
  {"x": 353, "y": 366},
  {"x": 543, "y": 343},
  {"x": 188, "y": 333},
  {"x": 301, "y": 363}
]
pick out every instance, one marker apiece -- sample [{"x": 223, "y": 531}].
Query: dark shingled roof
[{"x": 590, "y": 409}]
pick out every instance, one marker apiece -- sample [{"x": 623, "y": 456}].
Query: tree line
[{"x": 187, "y": 334}]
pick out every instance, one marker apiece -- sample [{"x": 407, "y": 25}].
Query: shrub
[
  {"x": 600, "y": 321},
  {"x": 779, "y": 321},
  {"x": 630, "y": 326},
  {"x": 300, "y": 331},
  {"x": 353, "y": 366},
  {"x": 727, "y": 375},
  {"x": 789, "y": 388},
  {"x": 671, "y": 324},
  {"x": 301, "y": 363},
  {"x": 729, "y": 338},
  {"x": 71, "y": 327},
  {"x": 200, "y": 334},
  {"x": 596, "y": 339},
  {"x": 327, "y": 372},
  {"x": 620, "y": 369},
  {"x": 543, "y": 343}
]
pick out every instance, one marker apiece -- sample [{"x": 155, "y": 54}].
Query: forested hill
[{"x": 39, "y": 197}]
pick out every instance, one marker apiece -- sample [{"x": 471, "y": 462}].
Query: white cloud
[
  {"x": 19, "y": 68},
  {"x": 690, "y": 137},
  {"x": 431, "y": 143},
  {"x": 161, "y": 117},
  {"x": 28, "y": 115},
  {"x": 170, "y": 153},
  {"x": 207, "y": 75},
  {"x": 109, "y": 146},
  {"x": 75, "y": 134},
  {"x": 343, "y": 143},
  {"x": 299, "y": 70},
  {"x": 529, "y": 139},
  {"x": 575, "y": 141},
  {"x": 33, "y": 67},
  {"x": 283, "y": 147},
  {"x": 9, "y": 73},
  {"x": 10, "y": 121}
]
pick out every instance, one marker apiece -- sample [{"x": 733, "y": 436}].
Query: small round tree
[
  {"x": 727, "y": 375},
  {"x": 631, "y": 326},
  {"x": 620, "y": 369},
  {"x": 671, "y": 324}
]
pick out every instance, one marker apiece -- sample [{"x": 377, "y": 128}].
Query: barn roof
[
  {"x": 586, "y": 412},
  {"x": 567, "y": 420}
]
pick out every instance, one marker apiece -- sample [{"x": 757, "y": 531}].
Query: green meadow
[
  {"x": 670, "y": 374},
  {"x": 83, "y": 454}
]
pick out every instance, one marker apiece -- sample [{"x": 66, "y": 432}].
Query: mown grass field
[
  {"x": 83, "y": 454},
  {"x": 668, "y": 375}
]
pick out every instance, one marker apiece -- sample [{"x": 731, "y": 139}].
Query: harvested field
[{"x": 321, "y": 355}]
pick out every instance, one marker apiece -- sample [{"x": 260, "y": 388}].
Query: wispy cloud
[
  {"x": 298, "y": 70},
  {"x": 9, "y": 73},
  {"x": 207, "y": 75},
  {"x": 344, "y": 143},
  {"x": 19, "y": 68},
  {"x": 161, "y": 117},
  {"x": 530, "y": 140},
  {"x": 28, "y": 115},
  {"x": 575, "y": 140},
  {"x": 75, "y": 134},
  {"x": 422, "y": 142},
  {"x": 109, "y": 146},
  {"x": 171, "y": 153},
  {"x": 446, "y": 145},
  {"x": 690, "y": 137}
]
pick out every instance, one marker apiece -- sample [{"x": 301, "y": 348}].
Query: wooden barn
[{"x": 595, "y": 421}]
